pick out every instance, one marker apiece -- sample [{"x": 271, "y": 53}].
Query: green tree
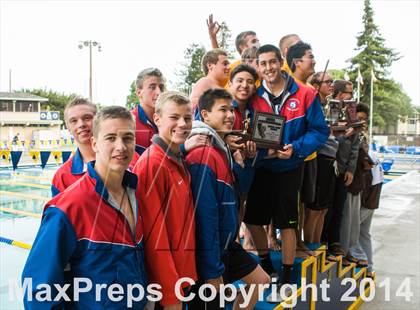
[
  {"x": 132, "y": 99},
  {"x": 190, "y": 71},
  {"x": 336, "y": 74},
  {"x": 389, "y": 100},
  {"x": 191, "y": 67},
  {"x": 56, "y": 101},
  {"x": 224, "y": 39}
]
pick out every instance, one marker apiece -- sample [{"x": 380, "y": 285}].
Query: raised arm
[{"x": 213, "y": 28}]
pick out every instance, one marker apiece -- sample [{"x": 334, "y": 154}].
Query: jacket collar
[
  {"x": 162, "y": 144},
  {"x": 129, "y": 180},
  {"x": 216, "y": 141},
  {"x": 276, "y": 103},
  {"x": 78, "y": 166},
  {"x": 144, "y": 119},
  {"x": 248, "y": 104},
  {"x": 291, "y": 86}
]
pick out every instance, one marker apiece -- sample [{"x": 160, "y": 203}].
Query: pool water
[{"x": 24, "y": 190}]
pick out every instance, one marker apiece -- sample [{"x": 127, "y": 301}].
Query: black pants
[{"x": 331, "y": 230}]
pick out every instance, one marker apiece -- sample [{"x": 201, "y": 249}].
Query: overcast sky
[{"x": 39, "y": 39}]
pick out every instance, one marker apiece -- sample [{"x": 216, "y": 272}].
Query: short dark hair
[
  {"x": 296, "y": 51},
  {"x": 267, "y": 49},
  {"x": 240, "y": 39},
  {"x": 316, "y": 77},
  {"x": 209, "y": 97},
  {"x": 242, "y": 68},
  {"x": 111, "y": 112},
  {"x": 340, "y": 86},
  {"x": 363, "y": 108}
]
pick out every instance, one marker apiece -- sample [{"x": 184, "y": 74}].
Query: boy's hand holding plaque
[{"x": 266, "y": 131}]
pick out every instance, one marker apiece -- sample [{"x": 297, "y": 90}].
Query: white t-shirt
[{"x": 377, "y": 171}]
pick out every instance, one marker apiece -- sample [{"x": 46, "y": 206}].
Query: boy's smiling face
[
  {"x": 174, "y": 123},
  {"x": 221, "y": 116}
]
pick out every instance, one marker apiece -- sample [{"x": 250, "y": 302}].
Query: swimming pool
[{"x": 23, "y": 194}]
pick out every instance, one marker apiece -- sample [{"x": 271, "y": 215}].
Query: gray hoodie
[{"x": 198, "y": 127}]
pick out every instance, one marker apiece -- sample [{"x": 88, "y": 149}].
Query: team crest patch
[{"x": 293, "y": 105}]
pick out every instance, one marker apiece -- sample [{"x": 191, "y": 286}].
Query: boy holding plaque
[
  {"x": 274, "y": 192},
  {"x": 220, "y": 259}
]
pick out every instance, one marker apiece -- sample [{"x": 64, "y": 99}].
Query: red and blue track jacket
[
  {"x": 82, "y": 229},
  {"x": 246, "y": 176},
  {"x": 216, "y": 203},
  {"x": 69, "y": 172},
  {"x": 255, "y": 103},
  {"x": 305, "y": 126},
  {"x": 145, "y": 129},
  {"x": 167, "y": 210}
]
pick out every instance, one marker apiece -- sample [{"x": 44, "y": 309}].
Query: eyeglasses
[{"x": 329, "y": 82}]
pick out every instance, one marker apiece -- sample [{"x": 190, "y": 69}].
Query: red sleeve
[{"x": 151, "y": 193}]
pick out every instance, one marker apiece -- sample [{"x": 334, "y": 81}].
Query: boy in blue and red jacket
[
  {"x": 92, "y": 230},
  {"x": 150, "y": 83},
  {"x": 220, "y": 259},
  {"x": 78, "y": 116}
]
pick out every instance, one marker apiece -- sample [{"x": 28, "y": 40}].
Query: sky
[{"x": 39, "y": 39}]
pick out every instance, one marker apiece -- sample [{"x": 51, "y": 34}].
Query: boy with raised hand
[
  {"x": 92, "y": 230},
  {"x": 220, "y": 259},
  {"x": 165, "y": 199},
  {"x": 78, "y": 116}
]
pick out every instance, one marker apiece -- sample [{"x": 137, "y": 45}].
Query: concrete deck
[{"x": 396, "y": 236}]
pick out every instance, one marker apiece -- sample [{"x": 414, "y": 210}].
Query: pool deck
[{"x": 396, "y": 247}]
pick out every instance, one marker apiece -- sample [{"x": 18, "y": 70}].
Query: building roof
[
  {"x": 5, "y": 122},
  {"x": 21, "y": 96}
]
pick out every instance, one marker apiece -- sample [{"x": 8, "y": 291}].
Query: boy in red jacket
[{"x": 166, "y": 200}]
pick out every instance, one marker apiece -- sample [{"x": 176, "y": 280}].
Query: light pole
[{"x": 89, "y": 43}]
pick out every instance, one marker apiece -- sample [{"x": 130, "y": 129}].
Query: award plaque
[
  {"x": 268, "y": 130},
  {"x": 335, "y": 115},
  {"x": 342, "y": 115},
  {"x": 351, "y": 113}
]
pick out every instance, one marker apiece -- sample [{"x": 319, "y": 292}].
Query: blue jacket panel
[
  {"x": 83, "y": 235},
  {"x": 216, "y": 208}
]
